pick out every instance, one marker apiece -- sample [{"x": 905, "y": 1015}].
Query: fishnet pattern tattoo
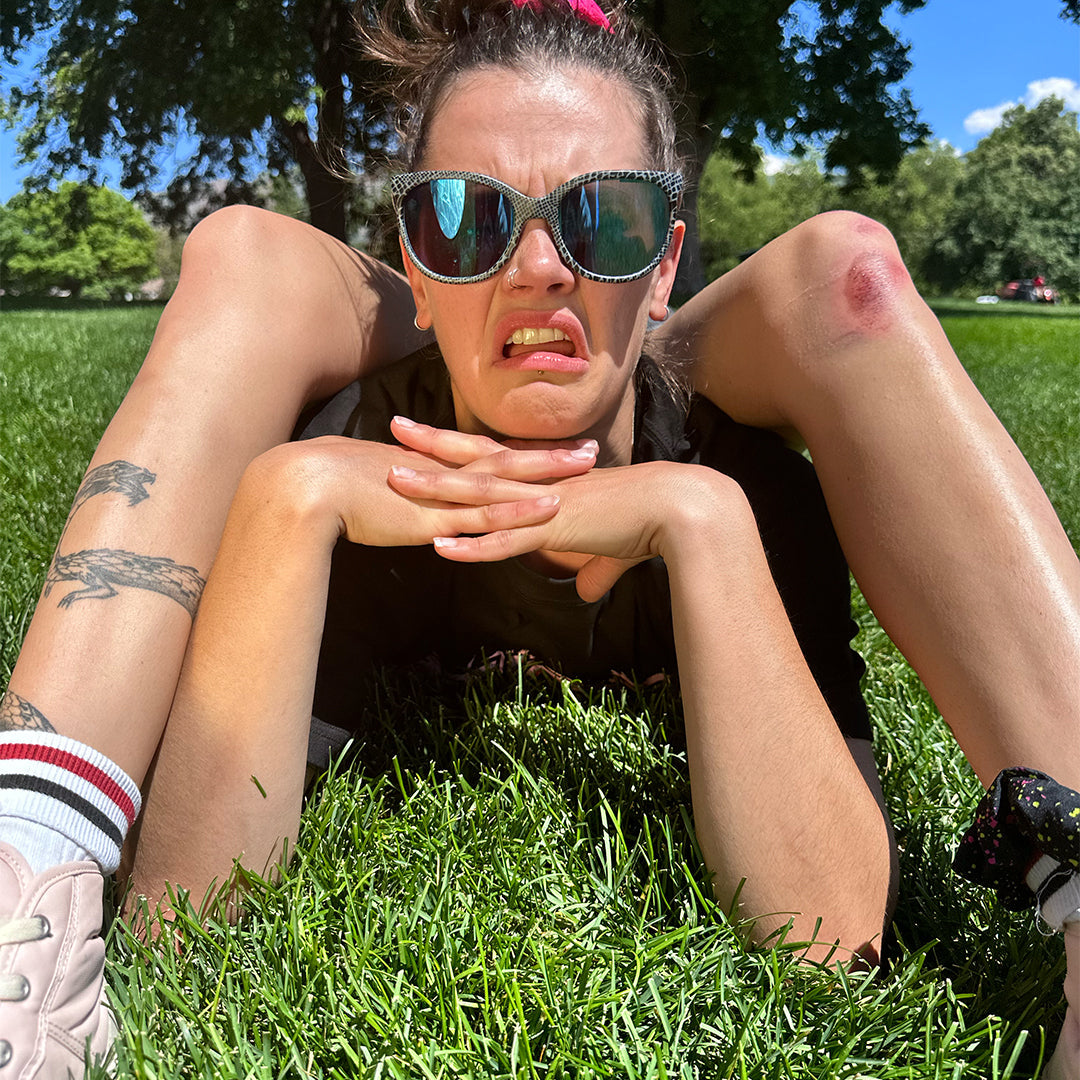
[{"x": 17, "y": 714}]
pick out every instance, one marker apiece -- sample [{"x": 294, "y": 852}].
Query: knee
[
  {"x": 235, "y": 276},
  {"x": 852, "y": 265},
  {"x": 238, "y": 244}
]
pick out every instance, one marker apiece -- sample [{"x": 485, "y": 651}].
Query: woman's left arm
[{"x": 778, "y": 798}]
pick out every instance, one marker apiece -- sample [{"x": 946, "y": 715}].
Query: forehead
[{"x": 536, "y": 130}]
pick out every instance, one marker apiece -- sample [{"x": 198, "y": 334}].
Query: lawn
[{"x": 504, "y": 882}]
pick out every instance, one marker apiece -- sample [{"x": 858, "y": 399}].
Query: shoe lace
[{"x": 21, "y": 931}]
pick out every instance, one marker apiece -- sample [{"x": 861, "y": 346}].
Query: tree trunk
[
  {"x": 323, "y": 164},
  {"x": 691, "y": 278},
  {"x": 326, "y": 193}
]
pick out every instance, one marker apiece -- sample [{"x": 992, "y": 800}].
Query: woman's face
[{"x": 534, "y": 133}]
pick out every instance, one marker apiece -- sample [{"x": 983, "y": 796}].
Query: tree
[
  {"x": 256, "y": 82},
  {"x": 823, "y": 72},
  {"x": 75, "y": 237},
  {"x": 279, "y": 80},
  {"x": 737, "y": 214},
  {"x": 1017, "y": 210},
  {"x": 915, "y": 204}
]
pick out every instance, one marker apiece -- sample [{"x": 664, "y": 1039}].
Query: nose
[{"x": 536, "y": 262}]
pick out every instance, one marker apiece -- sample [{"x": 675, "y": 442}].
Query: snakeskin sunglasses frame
[{"x": 581, "y": 207}]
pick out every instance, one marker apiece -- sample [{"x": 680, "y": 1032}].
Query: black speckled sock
[{"x": 1024, "y": 816}]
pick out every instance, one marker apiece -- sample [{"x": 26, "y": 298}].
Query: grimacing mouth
[{"x": 532, "y": 336}]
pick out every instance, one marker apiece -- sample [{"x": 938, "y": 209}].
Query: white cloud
[
  {"x": 983, "y": 120},
  {"x": 1044, "y": 88},
  {"x": 772, "y": 164}
]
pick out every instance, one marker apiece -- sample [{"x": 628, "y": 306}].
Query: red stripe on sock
[{"x": 73, "y": 764}]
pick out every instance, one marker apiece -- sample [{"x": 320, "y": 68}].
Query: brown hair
[{"x": 427, "y": 47}]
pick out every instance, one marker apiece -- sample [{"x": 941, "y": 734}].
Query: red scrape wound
[{"x": 872, "y": 287}]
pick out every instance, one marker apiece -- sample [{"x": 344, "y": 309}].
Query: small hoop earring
[
  {"x": 664, "y": 317},
  {"x": 510, "y": 279},
  {"x": 417, "y": 324}
]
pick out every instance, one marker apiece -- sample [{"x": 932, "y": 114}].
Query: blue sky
[
  {"x": 971, "y": 59},
  {"x": 974, "y": 56}
]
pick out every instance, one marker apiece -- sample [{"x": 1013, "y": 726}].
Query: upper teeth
[{"x": 531, "y": 335}]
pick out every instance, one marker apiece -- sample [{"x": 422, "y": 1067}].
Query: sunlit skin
[
  {"x": 576, "y": 124},
  {"x": 820, "y": 334}
]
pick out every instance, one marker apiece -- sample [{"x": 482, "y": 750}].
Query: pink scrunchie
[{"x": 588, "y": 10}]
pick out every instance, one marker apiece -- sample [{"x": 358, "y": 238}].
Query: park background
[
  {"x": 952, "y": 122},
  {"x": 503, "y": 881}
]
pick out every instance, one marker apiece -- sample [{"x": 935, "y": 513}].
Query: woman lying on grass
[{"x": 519, "y": 487}]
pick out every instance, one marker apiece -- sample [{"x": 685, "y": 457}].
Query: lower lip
[{"x": 546, "y": 362}]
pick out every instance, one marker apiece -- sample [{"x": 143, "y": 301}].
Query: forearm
[
  {"x": 234, "y": 751},
  {"x": 778, "y": 798}
]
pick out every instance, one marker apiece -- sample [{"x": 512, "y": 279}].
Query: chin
[{"x": 544, "y": 420}]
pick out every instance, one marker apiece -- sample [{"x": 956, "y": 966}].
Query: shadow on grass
[
  {"x": 60, "y": 304},
  {"x": 594, "y": 742}
]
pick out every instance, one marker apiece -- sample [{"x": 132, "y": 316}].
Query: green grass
[{"x": 504, "y": 881}]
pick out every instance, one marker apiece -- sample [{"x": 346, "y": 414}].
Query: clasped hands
[{"x": 479, "y": 500}]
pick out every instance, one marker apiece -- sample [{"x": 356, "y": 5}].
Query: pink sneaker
[{"x": 52, "y": 970}]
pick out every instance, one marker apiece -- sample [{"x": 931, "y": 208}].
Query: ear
[
  {"x": 664, "y": 279},
  {"x": 418, "y": 284}
]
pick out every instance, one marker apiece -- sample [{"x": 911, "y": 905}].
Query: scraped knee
[
  {"x": 874, "y": 287},
  {"x": 869, "y": 283}
]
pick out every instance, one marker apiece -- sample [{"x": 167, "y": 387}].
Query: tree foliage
[
  {"x": 255, "y": 81},
  {"x": 915, "y": 204},
  {"x": 279, "y": 81},
  {"x": 821, "y": 73},
  {"x": 1008, "y": 209},
  {"x": 1017, "y": 211},
  {"x": 77, "y": 236},
  {"x": 738, "y": 216},
  {"x": 738, "y": 213}
]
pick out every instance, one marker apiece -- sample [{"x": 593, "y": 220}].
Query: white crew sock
[
  {"x": 61, "y": 801},
  {"x": 1057, "y": 888}
]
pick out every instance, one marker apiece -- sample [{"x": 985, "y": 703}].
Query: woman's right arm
[{"x": 229, "y": 776}]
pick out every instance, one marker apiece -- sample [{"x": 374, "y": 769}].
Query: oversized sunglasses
[{"x": 613, "y": 225}]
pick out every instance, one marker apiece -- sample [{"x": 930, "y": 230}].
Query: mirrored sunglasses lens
[
  {"x": 614, "y": 227},
  {"x": 457, "y": 227}
]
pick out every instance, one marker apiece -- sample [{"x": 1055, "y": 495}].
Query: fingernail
[
  {"x": 402, "y": 472},
  {"x": 445, "y": 541},
  {"x": 584, "y": 454},
  {"x": 404, "y": 421},
  {"x": 546, "y": 501}
]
